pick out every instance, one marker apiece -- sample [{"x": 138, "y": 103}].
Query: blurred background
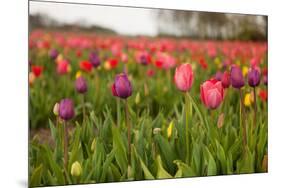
[{"x": 131, "y": 21}]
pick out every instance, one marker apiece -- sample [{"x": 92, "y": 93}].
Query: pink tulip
[
  {"x": 212, "y": 93},
  {"x": 184, "y": 77}
]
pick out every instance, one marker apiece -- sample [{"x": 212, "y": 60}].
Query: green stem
[
  {"x": 65, "y": 148},
  {"x": 129, "y": 131},
  {"x": 84, "y": 109},
  {"x": 255, "y": 108},
  {"x": 242, "y": 115},
  {"x": 187, "y": 107}
]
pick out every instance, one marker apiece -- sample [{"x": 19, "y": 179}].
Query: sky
[{"x": 124, "y": 20}]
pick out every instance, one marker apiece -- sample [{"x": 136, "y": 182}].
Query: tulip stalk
[
  {"x": 187, "y": 109},
  {"x": 255, "y": 107},
  {"x": 129, "y": 131},
  {"x": 242, "y": 113},
  {"x": 65, "y": 144}
]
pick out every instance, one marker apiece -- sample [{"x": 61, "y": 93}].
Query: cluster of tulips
[{"x": 209, "y": 119}]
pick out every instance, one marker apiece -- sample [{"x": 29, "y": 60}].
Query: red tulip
[
  {"x": 212, "y": 93},
  {"x": 263, "y": 95},
  {"x": 37, "y": 70},
  {"x": 225, "y": 79},
  {"x": 86, "y": 66},
  {"x": 184, "y": 77}
]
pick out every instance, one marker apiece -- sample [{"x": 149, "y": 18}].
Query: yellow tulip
[
  {"x": 76, "y": 169},
  {"x": 170, "y": 129},
  {"x": 78, "y": 74},
  {"x": 245, "y": 70},
  {"x": 248, "y": 99},
  {"x": 107, "y": 65}
]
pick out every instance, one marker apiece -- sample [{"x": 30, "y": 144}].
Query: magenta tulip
[{"x": 184, "y": 77}]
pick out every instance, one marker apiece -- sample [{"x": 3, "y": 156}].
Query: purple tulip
[
  {"x": 81, "y": 85},
  {"x": 122, "y": 86},
  {"x": 53, "y": 53},
  {"x": 94, "y": 59},
  {"x": 254, "y": 77},
  {"x": 66, "y": 109},
  {"x": 218, "y": 76},
  {"x": 236, "y": 77}
]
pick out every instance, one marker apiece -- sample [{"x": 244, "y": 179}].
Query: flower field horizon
[{"x": 125, "y": 108}]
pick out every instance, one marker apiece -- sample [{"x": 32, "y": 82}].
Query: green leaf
[
  {"x": 161, "y": 172},
  {"x": 184, "y": 170},
  {"x": 36, "y": 176},
  {"x": 120, "y": 156}
]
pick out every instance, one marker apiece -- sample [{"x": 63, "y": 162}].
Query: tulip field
[{"x": 110, "y": 108}]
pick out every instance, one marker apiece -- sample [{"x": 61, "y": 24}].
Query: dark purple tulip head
[
  {"x": 122, "y": 86},
  {"x": 143, "y": 60},
  {"x": 218, "y": 76},
  {"x": 53, "y": 53},
  {"x": 225, "y": 80},
  {"x": 66, "y": 109},
  {"x": 236, "y": 77},
  {"x": 94, "y": 59},
  {"x": 265, "y": 80},
  {"x": 81, "y": 85},
  {"x": 254, "y": 77}
]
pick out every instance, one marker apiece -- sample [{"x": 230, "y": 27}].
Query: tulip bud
[
  {"x": 31, "y": 77},
  {"x": 225, "y": 79},
  {"x": 236, "y": 76},
  {"x": 81, "y": 85},
  {"x": 122, "y": 86},
  {"x": 170, "y": 129},
  {"x": 66, "y": 109},
  {"x": 93, "y": 146},
  {"x": 156, "y": 130},
  {"x": 76, "y": 169},
  {"x": 137, "y": 99},
  {"x": 254, "y": 77},
  {"x": 184, "y": 77},
  {"x": 212, "y": 93},
  {"x": 220, "y": 120},
  {"x": 56, "y": 109}
]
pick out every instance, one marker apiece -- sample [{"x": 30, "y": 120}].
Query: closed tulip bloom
[
  {"x": 81, "y": 85},
  {"x": 94, "y": 59},
  {"x": 212, "y": 93},
  {"x": 56, "y": 109},
  {"x": 184, "y": 77},
  {"x": 76, "y": 169},
  {"x": 254, "y": 77},
  {"x": 53, "y": 53},
  {"x": 236, "y": 77},
  {"x": 63, "y": 67},
  {"x": 218, "y": 76},
  {"x": 122, "y": 86},
  {"x": 66, "y": 109},
  {"x": 225, "y": 79}
]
